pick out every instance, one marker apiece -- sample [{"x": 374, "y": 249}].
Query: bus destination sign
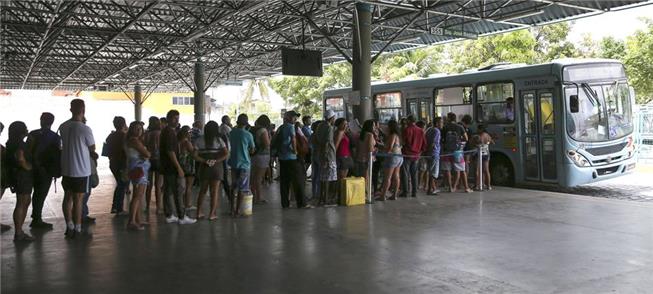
[{"x": 453, "y": 33}]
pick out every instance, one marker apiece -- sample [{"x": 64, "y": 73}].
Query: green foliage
[
  {"x": 639, "y": 62},
  {"x": 515, "y": 47},
  {"x": 551, "y": 42},
  {"x": 418, "y": 63},
  {"x": 304, "y": 94},
  {"x": 612, "y": 48}
]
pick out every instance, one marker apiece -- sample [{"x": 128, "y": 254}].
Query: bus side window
[{"x": 495, "y": 103}]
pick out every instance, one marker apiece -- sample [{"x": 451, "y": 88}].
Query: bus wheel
[{"x": 501, "y": 171}]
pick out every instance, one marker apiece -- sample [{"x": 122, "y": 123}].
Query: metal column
[
  {"x": 138, "y": 103},
  {"x": 361, "y": 57},
  {"x": 199, "y": 93}
]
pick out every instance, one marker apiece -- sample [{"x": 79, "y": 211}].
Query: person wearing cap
[
  {"x": 242, "y": 145},
  {"x": 291, "y": 174},
  {"x": 46, "y": 153},
  {"x": 326, "y": 150}
]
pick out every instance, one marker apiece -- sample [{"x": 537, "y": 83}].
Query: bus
[{"x": 564, "y": 123}]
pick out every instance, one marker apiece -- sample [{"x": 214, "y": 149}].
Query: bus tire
[{"x": 502, "y": 171}]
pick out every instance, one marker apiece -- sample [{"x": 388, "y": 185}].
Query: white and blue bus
[{"x": 564, "y": 123}]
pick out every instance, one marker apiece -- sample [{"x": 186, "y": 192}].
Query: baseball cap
[
  {"x": 293, "y": 113},
  {"x": 329, "y": 114}
]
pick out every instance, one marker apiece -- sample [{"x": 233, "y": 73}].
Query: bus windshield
[{"x": 605, "y": 112}]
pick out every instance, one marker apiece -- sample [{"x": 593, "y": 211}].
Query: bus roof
[{"x": 520, "y": 70}]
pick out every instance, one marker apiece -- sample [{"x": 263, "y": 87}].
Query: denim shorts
[
  {"x": 240, "y": 179},
  {"x": 393, "y": 161},
  {"x": 434, "y": 167}
]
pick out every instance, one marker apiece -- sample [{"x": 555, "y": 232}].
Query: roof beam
[{"x": 145, "y": 10}]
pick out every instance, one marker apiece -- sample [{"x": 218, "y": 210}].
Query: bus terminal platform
[{"x": 501, "y": 241}]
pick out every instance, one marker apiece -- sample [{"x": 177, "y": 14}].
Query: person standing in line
[
  {"x": 225, "y": 130},
  {"x": 137, "y": 163},
  {"x": 3, "y": 175},
  {"x": 315, "y": 163},
  {"x": 365, "y": 146},
  {"x": 20, "y": 173},
  {"x": 155, "y": 179},
  {"x": 466, "y": 122},
  {"x": 307, "y": 132},
  {"x": 291, "y": 172},
  {"x": 261, "y": 158},
  {"x": 454, "y": 135},
  {"x": 392, "y": 163},
  {"x": 377, "y": 165},
  {"x": 210, "y": 151},
  {"x": 45, "y": 147},
  {"x": 78, "y": 148},
  {"x": 95, "y": 181},
  {"x": 433, "y": 141},
  {"x": 413, "y": 138},
  {"x": 117, "y": 162},
  {"x": 187, "y": 163},
  {"x": 484, "y": 139},
  {"x": 343, "y": 148},
  {"x": 174, "y": 183},
  {"x": 242, "y": 145},
  {"x": 422, "y": 162},
  {"x": 326, "y": 149}
]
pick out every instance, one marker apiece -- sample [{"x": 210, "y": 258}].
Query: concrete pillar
[
  {"x": 199, "y": 92},
  {"x": 138, "y": 103},
  {"x": 361, "y": 61}
]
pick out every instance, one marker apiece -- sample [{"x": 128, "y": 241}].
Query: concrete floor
[{"x": 503, "y": 241}]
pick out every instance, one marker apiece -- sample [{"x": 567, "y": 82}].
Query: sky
[{"x": 617, "y": 24}]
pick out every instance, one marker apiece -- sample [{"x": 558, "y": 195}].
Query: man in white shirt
[{"x": 78, "y": 147}]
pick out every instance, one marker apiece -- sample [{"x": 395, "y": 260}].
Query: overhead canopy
[{"x": 77, "y": 45}]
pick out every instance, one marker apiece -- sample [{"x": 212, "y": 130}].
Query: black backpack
[
  {"x": 48, "y": 156},
  {"x": 451, "y": 140}
]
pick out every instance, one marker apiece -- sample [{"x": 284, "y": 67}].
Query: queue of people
[{"x": 166, "y": 160}]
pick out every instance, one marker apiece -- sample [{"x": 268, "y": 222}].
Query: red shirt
[{"x": 414, "y": 142}]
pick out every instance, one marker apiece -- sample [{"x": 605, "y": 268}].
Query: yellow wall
[{"x": 156, "y": 102}]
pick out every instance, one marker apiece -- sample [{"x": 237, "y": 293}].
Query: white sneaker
[
  {"x": 187, "y": 221},
  {"x": 172, "y": 219}
]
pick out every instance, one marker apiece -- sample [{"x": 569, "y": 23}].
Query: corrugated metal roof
[{"x": 82, "y": 44}]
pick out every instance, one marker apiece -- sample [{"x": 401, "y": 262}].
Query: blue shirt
[
  {"x": 287, "y": 132},
  {"x": 241, "y": 142},
  {"x": 433, "y": 141}
]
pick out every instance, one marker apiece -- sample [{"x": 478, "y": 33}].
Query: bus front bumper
[{"x": 584, "y": 175}]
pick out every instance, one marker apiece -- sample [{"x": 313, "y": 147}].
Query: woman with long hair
[
  {"x": 261, "y": 158},
  {"x": 210, "y": 151},
  {"x": 365, "y": 146},
  {"x": 19, "y": 165},
  {"x": 155, "y": 180},
  {"x": 138, "y": 165},
  {"x": 187, "y": 162},
  {"x": 392, "y": 164},
  {"x": 343, "y": 150}
]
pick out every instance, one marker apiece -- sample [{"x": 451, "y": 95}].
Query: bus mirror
[{"x": 573, "y": 104}]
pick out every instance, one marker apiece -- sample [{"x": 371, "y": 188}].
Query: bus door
[
  {"x": 421, "y": 108},
  {"x": 538, "y": 140}
]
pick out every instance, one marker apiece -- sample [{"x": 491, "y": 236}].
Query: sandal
[
  {"x": 212, "y": 218},
  {"x": 23, "y": 237}
]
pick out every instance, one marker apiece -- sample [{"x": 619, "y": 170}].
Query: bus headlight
[{"x": 577, "y": 158}]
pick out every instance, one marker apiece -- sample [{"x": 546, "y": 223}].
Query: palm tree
[{"x": 249, "y": 101}]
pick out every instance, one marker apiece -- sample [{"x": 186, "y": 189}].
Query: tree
[
  {"x": 551, "y": 42},
  {"x": 304, "y": 94},
  {"x": 639, "y": 62},
  {"x": 418, "y": 63},
  {"x": 612, "y": 48},
  {"x": 514, "y": 47}
]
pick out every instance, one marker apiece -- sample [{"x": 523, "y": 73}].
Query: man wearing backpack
[
  {"x": 453, "y": 134},
  {"x": 45, "y": 146}
]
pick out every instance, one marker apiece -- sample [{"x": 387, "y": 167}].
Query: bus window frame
[
  {"x": 471, "y": 99},
  {"x": 477, "y": 103},
  {"x": 400, "y": 108},
  {"x": 341, "y": 97}
]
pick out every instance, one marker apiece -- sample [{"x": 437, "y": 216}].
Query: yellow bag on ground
[{"x": 352, "y": 191}]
